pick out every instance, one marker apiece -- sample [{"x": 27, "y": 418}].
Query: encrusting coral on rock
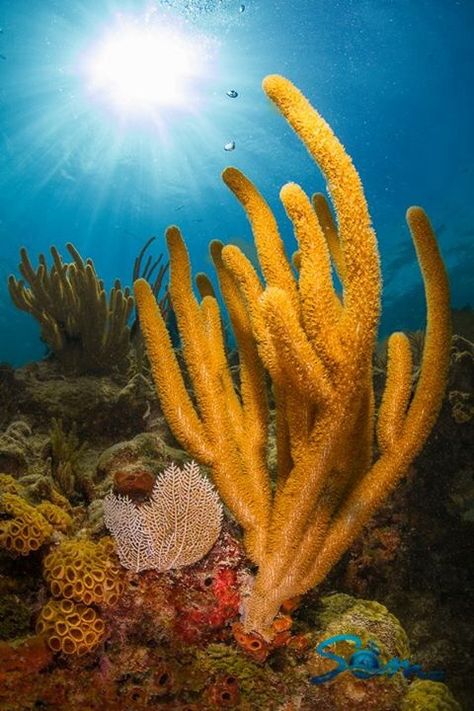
[
  {"x": 84, "y": 571},
  {"x": 25, "y": 527},
  {"x": 424, "y": 694},
  {"x": 69, "y": 627}
]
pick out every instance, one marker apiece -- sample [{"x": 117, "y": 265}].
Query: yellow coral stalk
[
  {"x": 326, "y": 220},
  {"x": 317, "y": 349},
  {"x": 223, "y": 432}
]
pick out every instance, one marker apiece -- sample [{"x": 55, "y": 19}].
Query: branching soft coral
[{"x": 317, "y": 347}]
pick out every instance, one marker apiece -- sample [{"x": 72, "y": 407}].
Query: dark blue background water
[{"x": 393, "y": 78}]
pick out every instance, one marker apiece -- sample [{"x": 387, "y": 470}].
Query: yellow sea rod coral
[
  {"x": 85, "y": 328},
  {"x": 317, "y": 346},
  {"x": 84, "y": 571},
  {"x": 69, "y": 627},
  {"x": 26, "y": 530}
]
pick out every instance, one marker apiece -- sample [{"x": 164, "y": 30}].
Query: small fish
[
  {"x": 242, "y": 8},
  {"x": 232, "y": 93}
]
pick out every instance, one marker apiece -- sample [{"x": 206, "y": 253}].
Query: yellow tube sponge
[
  {"x": 317, "y": 347},
  {"x": 224, "y": 431},
  {"x": 175, "y": 401},
  {"x": 326, "y": 220},
  {"x": 357, "y": 238}
]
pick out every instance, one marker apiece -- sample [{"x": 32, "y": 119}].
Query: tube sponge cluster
[
  {"x": 84, "y": 571},
  {"x": 71, "y": 628}
]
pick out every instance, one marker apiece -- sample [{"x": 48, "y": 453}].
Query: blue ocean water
[{"x": 392, "y": 77}]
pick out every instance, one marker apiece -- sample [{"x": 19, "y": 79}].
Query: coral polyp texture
[
  {"x": 317, "y": 346},
  {"x": 69, "y": 627},
  {"x": 9, "y": 485},
  {"x": 84, "y": 571},
  {"x": 176, "y": 527},
  {"x": 55, "y": 515},
  {"x": 25, "y": 529}
]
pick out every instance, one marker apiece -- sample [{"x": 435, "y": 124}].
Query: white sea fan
[{"x": 177, "y": 526}]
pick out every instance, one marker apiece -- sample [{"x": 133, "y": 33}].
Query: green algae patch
[{"x": 14, "y": 618}]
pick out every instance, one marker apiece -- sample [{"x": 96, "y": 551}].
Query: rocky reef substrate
[{"x": 170, "y": 639}]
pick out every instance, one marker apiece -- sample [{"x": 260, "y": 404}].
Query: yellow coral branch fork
[{"x": 317, "y": 347}]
